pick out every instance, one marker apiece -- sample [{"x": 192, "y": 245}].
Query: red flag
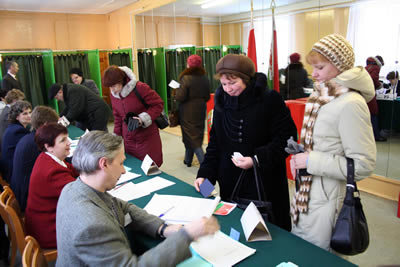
[
  {"x": 251, "y": 49},
  {"x": 273, "y": 71}
]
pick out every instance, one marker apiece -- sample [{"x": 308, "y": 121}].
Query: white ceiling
[{"x": 190, "y": 8}]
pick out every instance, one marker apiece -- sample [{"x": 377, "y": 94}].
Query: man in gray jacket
[{"x": 90, "y": 222}]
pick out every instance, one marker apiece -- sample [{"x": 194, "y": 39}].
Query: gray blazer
[{"x": 89, "y": 234}]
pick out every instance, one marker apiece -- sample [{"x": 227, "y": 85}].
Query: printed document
[{"x": 221, "y": 250}]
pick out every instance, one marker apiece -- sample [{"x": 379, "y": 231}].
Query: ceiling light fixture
[{"x": 214, "y": 3}]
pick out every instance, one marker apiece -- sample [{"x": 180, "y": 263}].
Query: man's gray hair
[{"x": 94, "y": 146}]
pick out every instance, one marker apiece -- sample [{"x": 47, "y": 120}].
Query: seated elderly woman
[
  {"x": 26, "y": 154},
  {"x": 49, "y": 175},
  {"x": 20, "y": 118}
]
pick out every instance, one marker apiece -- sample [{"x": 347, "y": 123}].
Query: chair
[
  {"x": 11, "y": 214},
  {"x": 33, "y": 255}
]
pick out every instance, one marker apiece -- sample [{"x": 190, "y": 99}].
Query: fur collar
[
  {"x": 196, "y": 71},
  {"x": 128, "y": 88}
]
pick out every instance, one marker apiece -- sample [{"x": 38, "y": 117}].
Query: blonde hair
[
  {"x": 313, "y": 57},
  {"x": 14, "y": 95}
]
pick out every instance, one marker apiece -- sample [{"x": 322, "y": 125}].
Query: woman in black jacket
[
  {"x": 193, "y": 94},
  {"x": 296, "y": 78},
  {"x": 253, "y": 120}
]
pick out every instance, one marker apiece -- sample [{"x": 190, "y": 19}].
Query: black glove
[{"x": 133, "y": 124}]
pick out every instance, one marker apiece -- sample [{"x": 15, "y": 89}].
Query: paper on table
[
  {"x": 127, "y": 168},
  {"x": 127, "y": 176},
  {"x": 221, "y": 250},
  {"x": 128, "y": 192},
  {"x": 253, "y": 225},
  {"x": 154, "y": 184},
  {"x": 174, "y": 84},
  {"x": 185, "y": 209},
  {"x": 149, "y": 167}
]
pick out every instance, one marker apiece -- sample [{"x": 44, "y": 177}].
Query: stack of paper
[
  {"x": 221, "y": 250},
  {"x": 127, "y": 176},
  {"x": 180, "y": 209},
  {"x": 130, "y": 191}
]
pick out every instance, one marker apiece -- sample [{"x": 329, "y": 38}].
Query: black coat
[
  {"x": 295, "y": 79},
  {"x": 9, "y": 83},
  {"x": 255, "y": 123},
  {"x": 84, "y": 106},
  {"x": 193, "y": 95}
]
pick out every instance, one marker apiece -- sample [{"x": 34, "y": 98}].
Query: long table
[{"x": 284, "y": 246}]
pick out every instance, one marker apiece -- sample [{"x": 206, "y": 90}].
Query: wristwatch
[{"x": 162, "y": 230}]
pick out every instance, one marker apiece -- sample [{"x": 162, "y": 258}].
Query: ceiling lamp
[{"x": 213, "y": 3}]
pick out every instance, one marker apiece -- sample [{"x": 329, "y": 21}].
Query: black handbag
[
  {"x": 264, "y": 206},
  {"x": 162, "y": 120},
  {"x": 351, "y": 236}
]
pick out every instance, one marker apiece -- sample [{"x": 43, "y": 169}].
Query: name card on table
[
  {"x": 149, "y": 167},
  {"x": 253, "y": 225}
]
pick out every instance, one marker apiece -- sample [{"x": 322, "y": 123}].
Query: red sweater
[{"x": 48, "y": 178}]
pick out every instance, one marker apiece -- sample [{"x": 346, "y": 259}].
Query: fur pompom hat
[
  {"x": 337, "y": 50},
  {"x": 194, "y": 61}
]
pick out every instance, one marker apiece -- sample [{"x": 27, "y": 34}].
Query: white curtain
[
  {"x": 263, "y": 35},
  {"x": 374, "y": 29}
]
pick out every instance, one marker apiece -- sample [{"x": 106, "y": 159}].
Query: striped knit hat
[{"x": 337, "y": 50}]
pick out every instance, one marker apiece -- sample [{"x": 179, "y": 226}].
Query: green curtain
[
  {"x": 64, "y": 63},
  {"x": 233, "y": 50},
  {"x": 120, "y": 59},
  {"x": 175, "y": 62},
  {"x": 210, "y": 58},
  {"x": 31, "y": 77},
  {"x": 147, "y": 71}
]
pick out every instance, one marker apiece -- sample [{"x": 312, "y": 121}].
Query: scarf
[{"x": 322, "y": 95}]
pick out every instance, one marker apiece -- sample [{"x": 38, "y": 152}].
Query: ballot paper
[
  {"x": 221, "y": 250},
  {"x": 174, "y": 84},
  {"x": 127, "y": 177},
  {"x": 181, "y": 209},
  {"x": 128, "y": 191},
  {"x": 149, "y": 167},
  {"x": 253, "y": 225}
]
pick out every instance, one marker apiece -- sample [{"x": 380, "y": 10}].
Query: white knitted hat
[{"x": 337, "y": 50}]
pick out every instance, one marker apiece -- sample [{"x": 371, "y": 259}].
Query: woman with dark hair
[
  {"x": 26, "y": 154},
  {"x": 49, "y": 176},
  {"x": 142, "y": 136},
  {"x": 76, "y": 75},
  {"x": 20, "y": 118},
  {"x": 193, "y": 94}
]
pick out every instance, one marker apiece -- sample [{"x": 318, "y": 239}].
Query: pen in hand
[{"x": 165, "y": 212}]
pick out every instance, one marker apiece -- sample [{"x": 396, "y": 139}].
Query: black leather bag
[
  {"x": 264, "y": 206},
  {"x": 162, "y": 120},
  {"x": 351, "y": 236}
]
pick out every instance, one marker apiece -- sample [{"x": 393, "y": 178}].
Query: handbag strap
[
  {"x": 259, "y": 184},
  {"x": 140, "y": 98},
  {"x": 350, "y": 174}
]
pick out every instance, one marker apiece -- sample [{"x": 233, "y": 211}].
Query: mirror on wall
[{"x": 182, "y": 28}]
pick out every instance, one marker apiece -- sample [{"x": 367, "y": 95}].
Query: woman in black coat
[
  {"x": 193, "y": 94},
  {"x": 253, "y": 120},
  {"x": 296, "y": 78}
]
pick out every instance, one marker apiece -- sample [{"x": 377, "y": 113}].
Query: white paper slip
[
  {"x": 149, "y": 167},
  {"x": 154, "y": 184},
  {"x": 128, "y": 192},
  {"x": 73, "y": 142},
  {"x": 185, "y": 209},
  {"x": 221, "y": 250},
  {"x": 253, "y": 225},
  {"x": 174, "y": 84},
  {"x": 71, "y": 151},
  {"x": 127, "y": 176}
]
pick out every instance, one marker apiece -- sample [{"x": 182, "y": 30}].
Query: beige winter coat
[{"x": 342, "y": 129}]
